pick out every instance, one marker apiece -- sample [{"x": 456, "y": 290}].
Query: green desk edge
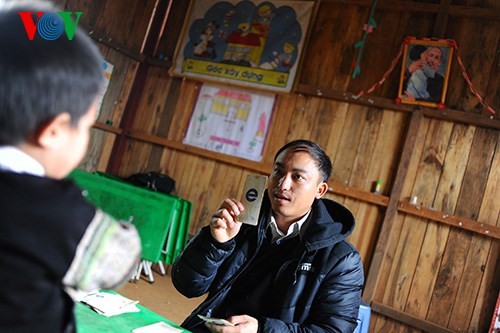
[{"x": 89, "y": 321}]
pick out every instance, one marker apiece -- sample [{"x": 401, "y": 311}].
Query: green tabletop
[{"x": 89, "y": 321}]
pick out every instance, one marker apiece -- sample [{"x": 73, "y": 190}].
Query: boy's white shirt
[{"x": 15, "y": 160}]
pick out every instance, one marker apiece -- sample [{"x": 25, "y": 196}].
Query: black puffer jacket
[{"x": 328, "y": 277}]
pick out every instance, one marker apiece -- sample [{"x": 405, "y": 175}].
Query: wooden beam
[
  {"x": 350, "y": 97},
  {"x": 386, "y": 244},
  {"x": 452, "y": 220},
  {"x": 459, "y": 116},
  {"x": 482, "y": 13},
  {"x": 107, "y": 128},
  {"x": 468, "y": 118},
  {"x": 244, "y": 163},
  {"x": 355, "y": 193},
  {"x": 408, "y": 319},
  {"x": 100, "y": 37}
]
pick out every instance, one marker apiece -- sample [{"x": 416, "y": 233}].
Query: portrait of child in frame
[{"x": 425, "y": 70}]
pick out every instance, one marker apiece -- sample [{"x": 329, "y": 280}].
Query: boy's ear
[
  {"x": 322, "y": 189},
  {"x": 53, "y": 134}
]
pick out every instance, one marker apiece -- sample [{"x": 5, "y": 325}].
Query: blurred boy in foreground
[{"x": 52, "y": 241}]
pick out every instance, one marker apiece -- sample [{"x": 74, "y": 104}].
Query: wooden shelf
[
  {"x": 408, "y": 319},
  {"x": 107, "y": 128},
  {"x": 452, "y": 220},
  {"x": 482, "y": 120}
]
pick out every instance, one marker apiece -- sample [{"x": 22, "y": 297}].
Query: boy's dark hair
[
  {"x": 40, "y": 79},
  {"x": 315, "y": 151}
]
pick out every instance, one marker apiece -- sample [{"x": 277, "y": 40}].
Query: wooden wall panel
[
  {"x": 301, "y": 122},
  {"x": 152, "y": 103},
  {"x": 368, "y": 221},
  {"x": 437, "y": 264},
  {"x": 279, "y": 124},
  {"x": 194, "y": 174},
  {"x": 458, "y": 257},
  {"x": 98, "y": 151},
  {"x": 120, "y": 85},
  {"x": 478, "y": 45},
  {"x": 124, "y": 22},
  {"x": 112, "y": 108},
  {"x": 387, "y": 149},
  {"x": 344, "y": 157},
  {"x": 436, "y": 234},
  {"x": 359, "y": 178},
  {"x": 330, "y": 47},
  {"x": 490, "y": 213},
  {"x": 136, "y": 158},
  {"x": 183, "y": 109},
  {"x": 414, "y": 229},
  {"x": 339, "y": 111}
]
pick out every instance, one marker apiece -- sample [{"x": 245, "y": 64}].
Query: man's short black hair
[
  {"x": 322, "y": 160},
  {"x": 40, "y": 79}
]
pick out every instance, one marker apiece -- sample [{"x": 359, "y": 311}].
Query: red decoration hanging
[{"x": 441, "y": 106}]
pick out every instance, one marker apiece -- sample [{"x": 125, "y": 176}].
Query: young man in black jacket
[{"x": 293, "y": 272}]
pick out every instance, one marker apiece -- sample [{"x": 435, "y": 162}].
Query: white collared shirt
[
  {"x": 14, "y": 160},
  {"x": 292, "y": 231}
]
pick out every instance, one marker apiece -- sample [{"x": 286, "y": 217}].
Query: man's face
[
  {"x": 293, "y": 185},
  {"x": 433, "y": 57}
]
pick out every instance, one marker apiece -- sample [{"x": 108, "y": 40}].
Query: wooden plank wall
[{"x": 432, "y": 266}]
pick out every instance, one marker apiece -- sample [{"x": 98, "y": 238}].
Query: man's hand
[
  {"x": 223, "y": 223},
  {"x": 243, "y": 324}
]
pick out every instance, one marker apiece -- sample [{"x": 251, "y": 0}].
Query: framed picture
[
  {"x": 425, "y": 70},
  {"x": 248, "y": 43}
]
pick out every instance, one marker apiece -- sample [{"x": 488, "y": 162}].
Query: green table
[
  {"x": 89, "y": 321},
  {"x": 152, "y": 213}
]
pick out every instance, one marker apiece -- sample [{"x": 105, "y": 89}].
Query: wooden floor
[{"x": 161, "y": 297}]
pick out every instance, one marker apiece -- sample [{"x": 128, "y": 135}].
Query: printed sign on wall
[
  {"x": 230, "y": 121},
  {"x": 249, "y": 43}
]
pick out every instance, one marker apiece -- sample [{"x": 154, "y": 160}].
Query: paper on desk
[
  {"x": 160, "y": 327},
  {"x": 108, "y": 304}
]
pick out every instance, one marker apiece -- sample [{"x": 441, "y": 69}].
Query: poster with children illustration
[
  {"x": 424, "y": 75},
  {"x": 230, "y": 121},
  {"x": 248, "y": 43}
]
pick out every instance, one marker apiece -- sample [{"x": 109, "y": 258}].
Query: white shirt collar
[
  {"x": 14, "y": 160},
  {"x": 292, "y": 231}
]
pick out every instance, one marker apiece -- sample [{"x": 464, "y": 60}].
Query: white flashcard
[{"x": 251, "y": 198}]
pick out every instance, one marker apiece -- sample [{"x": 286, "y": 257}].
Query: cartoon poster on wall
[
  {"x": 230, "y": 121},
  {"x": 250, "y": 43}
]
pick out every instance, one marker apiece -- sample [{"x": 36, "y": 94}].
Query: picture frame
[
  {"x": 249, "y": 43},
  {"x": 425, "y": 72}
]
